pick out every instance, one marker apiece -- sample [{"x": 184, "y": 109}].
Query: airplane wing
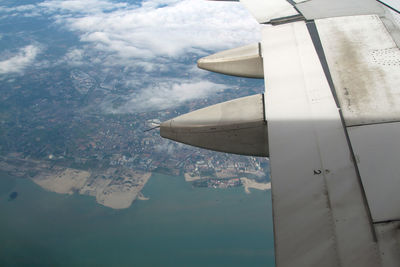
[{"x": 329, "y": 121}]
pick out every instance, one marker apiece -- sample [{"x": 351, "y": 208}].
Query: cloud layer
[
  {"x": 156, "y": 28},
  {"x": 151, "y": 41},
  {"x": 166, "y": 94},
  {"x": 19, "y": 61}
]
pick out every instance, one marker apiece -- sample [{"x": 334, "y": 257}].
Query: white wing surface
[
  {"x": 331, "y": 115},
  {"x": 334, "y": 150},
  {"x": 316, "y": 195}
]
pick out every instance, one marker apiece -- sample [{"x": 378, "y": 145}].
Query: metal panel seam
[
  {"x": 386, "y": 5},
  {"x": 364, "y": 196},
  {"x": 373, "y": 123},
  {"x": 313, "y": 31},
  {"x": 387, "y": 221},
  {"x": 321, "y": 54},
  {"x": 328, "y": 199},
  {"x": 263, "y": 104}
]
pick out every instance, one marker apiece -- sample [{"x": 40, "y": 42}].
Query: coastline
[
  {"x": 113, "y": 187},
  {"x": 62, "y": 181},
  {"x": 249, "y": 183},
  {"x": 110, "y": 191},
  {"x": 122, "y": 195},
  {"x": 142, "y": 197},
  {"x": 190, "y": 178}
]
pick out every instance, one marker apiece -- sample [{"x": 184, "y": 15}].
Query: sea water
[{"x": 178, "y": 226}]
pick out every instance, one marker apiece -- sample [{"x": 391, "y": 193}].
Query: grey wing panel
[
  {"x": 377, "y": 150},
  {"x": 320, "y": 215},
  {"x": 367, "y": 83},
  {"x": 316, "y": 9},
  {"x": 364, "y": 61}
]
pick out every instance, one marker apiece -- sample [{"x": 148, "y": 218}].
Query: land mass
[
  {"x": 251, "y": 183},
  {"x": 116, "y": 188}
]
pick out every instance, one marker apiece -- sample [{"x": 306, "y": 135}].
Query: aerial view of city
[{"x": 82, "y": 85}]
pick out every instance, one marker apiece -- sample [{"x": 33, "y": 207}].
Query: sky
[{"x": 149, "y": 40}]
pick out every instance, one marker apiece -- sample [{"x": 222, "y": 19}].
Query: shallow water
[{"x": 178, "y": 226}]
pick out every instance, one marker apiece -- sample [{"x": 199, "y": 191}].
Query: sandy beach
[
  {"x": 63, "y": 180},
  {"x": 249, "y": 183},
  {"x": 122, "y": 194},
  {"x": 142, "y": 197},
  {"x": 189, "y": 178},
  {"x": 114, "y": 188}
]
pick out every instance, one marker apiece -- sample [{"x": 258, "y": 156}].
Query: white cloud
[
  {"x": 167, "y": 147},
  {"x": 21, "y": 8},
  {"x": 26, "y": 10},
  {"x": 153, "y": 38},
  {"x": 157, "y": 28},
  {"x": 74, "y": 57},
  {"x": 170, "y": 28},
  {"x": 80, "y": 6},
  {"x": 149, "y": 42},
  {"x": 19, "y": 61},
  {"x": 168, "y": 94}
]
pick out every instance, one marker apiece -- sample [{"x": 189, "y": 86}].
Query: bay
[{"x": 178, "y": 226}]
